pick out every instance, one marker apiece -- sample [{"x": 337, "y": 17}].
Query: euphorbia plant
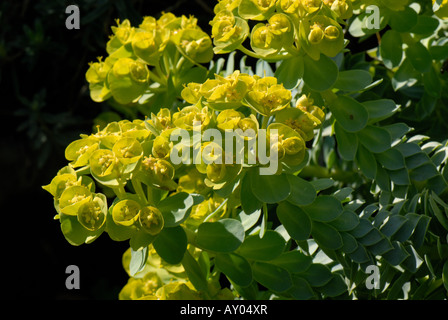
[{"x": 289, "y": 177}]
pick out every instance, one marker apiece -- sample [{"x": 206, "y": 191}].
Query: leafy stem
[
  {"x": 119, "y": 190},
  {"x": 139, "y": 190},
  {"x": 249, "y": 53},
  {"x": 157, "y": 75},
  {"x": 265, "y": 122}
]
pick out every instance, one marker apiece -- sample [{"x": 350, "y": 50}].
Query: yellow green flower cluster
[
  {"x": 132, "y": 158},
  {"x": 125, "y": 74},
  {"x": 162, "y": 281},
  {"x": 264, "y": 95},
  {"x": 283, "y": 28}
]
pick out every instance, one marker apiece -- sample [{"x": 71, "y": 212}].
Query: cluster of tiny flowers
[
  {"x": 162, "y": 281},
  {"x": 132, "y": 51},
  {"x": 283, "y": 28},
  {"x": 131, "y": 157}
]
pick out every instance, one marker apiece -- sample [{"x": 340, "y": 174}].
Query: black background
[{"x": 44, "y": 105}]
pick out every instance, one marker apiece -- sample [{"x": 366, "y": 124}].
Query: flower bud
[
  {"x": 224, "y": 92},
  {"x": 290, "y": 6},
  {"x": 279, "y": 24},
  {"x": 109, "y": 135},
  {"x": 96, "y": 76},
  {"x": 211, "y": 152},
  {"x": 191, "y": 93},
  {"x": 151, "y": 220},
  {"x": 164, "y": 118},
  {"x": 316, "y": 34},
  {"x": 228, "y": 5},
  {"x": 192, "y": 182},
  {"x": 166, "y": 19},
  {"x": 331, "y": 33},
  {"x": 123, "y": 31},
  {"x": 262, "y": 38}
]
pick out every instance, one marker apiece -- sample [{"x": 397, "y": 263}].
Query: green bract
[
  {"x": 147, "y": 45},
  {"x": 228, "y": 31},
  {"x": 290, "y": 145},
  {"x": 104, "y": 166},
  {"x": 73, "y": 198},
  {"x": 127, "y": 80},
  {"x": 292, "y": 175},
  {"x": 256, "y": 10},
  {"x": 321, "y": 35},
  {"x": 196, "y": 45}
]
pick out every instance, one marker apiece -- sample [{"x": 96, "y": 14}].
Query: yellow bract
[
  {"x": 126, "y": 212},
  {"x": 151, "y": 220},
  {"x": 192, "y": 116},
  {"x": 267, "y": 96},
  {"x": 92, "y": 214}
]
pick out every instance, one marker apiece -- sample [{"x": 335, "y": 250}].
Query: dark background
[{"x": 45, "y": 104}]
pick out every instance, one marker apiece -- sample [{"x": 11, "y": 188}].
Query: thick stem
[
  {"x": 155, "y": 75},
  {"x": 249, "y": 53},
  {"x": 119, "y": 191},
  {"x": 264, "y": 125},
  {"x": 180, "y": 63},
  {"x": 139, "y": 190},
  {"x": 150, "y": 197}
]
